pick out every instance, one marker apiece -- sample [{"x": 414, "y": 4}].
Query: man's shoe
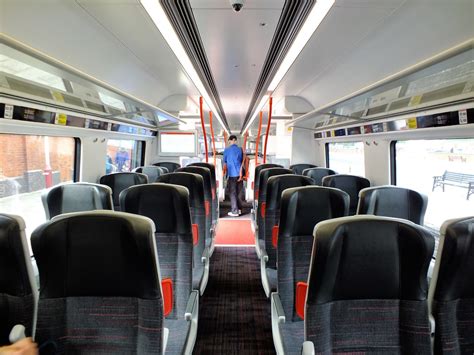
[
  {"x": 232, "y": 214},
  {"x": 240, "y": 212}
]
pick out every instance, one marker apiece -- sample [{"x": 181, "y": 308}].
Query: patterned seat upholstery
[
  {"x": 452, "y": 288},
  {"x": 298, "y": 168},
  {"x": 119, "y": 182},
  {"x": 18, "y": 292},
  {"x": 317, "y": 174},
  {"x": 301, "y": 209},
  {"x": 258, "y": 169},
  {"x": 368, "y": 281},
  {"x": 215, "y": 198},
  {"x": 276, "y": 185},
  {"x": 99, "y": 284},
  {"x": 76, "y": 197},
  {"x": 393, "y": 201},
  {"x": 351, "y": 184},
  {"x": 171, "y": 166},
  {"x": 151, "y": 171},
  {"x": 195, "y": 185},
  {"x": 167, "y": 206}
]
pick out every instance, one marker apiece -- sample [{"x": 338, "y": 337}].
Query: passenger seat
[
  {"x": 171, "y": 166},
  {"x": 152, "y": 172},
  {"x": 351, "y": 184},
  {"x": 317, "y": 174},
  {"x": 299, "y": 168},
  {"x": 119, "y": 182}
]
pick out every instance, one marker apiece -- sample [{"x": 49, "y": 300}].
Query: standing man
[{"x": 233, "y": 165}]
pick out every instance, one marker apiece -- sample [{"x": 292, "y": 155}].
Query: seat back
[
  {"x": 151, "y": 171},
  {"x": 276, "y": 185},
  {"x": 99, "y": 284},
  {"x": 452, "y": 288},
  {"x": 368, "y": 280},
  {"x": 393, "y": 201},
  {"x": 18, "y": 291},
  {"x": 317, "y": 174},
  {"x": 171, "y": 166},
  {"x": 256, "y": 176},
  {"x": 167, "y": 206},
  {"x": 351, "y": 184},
  {"x": 215, "y": 204},
  {"x": 76, "y": 197},
  {"x": 298, "y": 168},
  {"x": 301, "y": 209},
  {"x": 119, "y": 182}
]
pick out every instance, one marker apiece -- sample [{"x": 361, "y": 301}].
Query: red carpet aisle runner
[{"x": 234, "y": 232}]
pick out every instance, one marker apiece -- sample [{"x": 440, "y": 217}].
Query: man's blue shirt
[{"x": 233, "y": 159}]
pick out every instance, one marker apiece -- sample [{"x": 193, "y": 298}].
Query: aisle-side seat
[
  {"x": 151, "y": 171},
  {"x": 299, "y": 168},
  {"x": 76, "y": 197},
  {"x": 256, "y": 183},
  {"x": 301, "y": 209},
  {"x": 167, "y": 206},
  {"x": 215, "y": 198},
  {"x": 276, "y": 185},
  {"x": 393, "y": 201},
  {"x": 18, "y": 291},
  {"x": 171, "y": 166},
  {"x": 368, "y": 280},
  {"x": 451, "y": 294},
  {"x": 119, "y": 182},
  {"x": 100, "y": 286},
  {"x": 351, "y": 184},
  {"x": 317, "y": 174},
  {"x": 195, "y": 185}
]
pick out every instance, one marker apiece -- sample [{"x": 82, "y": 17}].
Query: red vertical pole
[
  {"x": 258, "y": 137},
  {"x": 203, "y": 128},
  {"x": 268, "y": 130},
  {"x": 244, "y": 146},
  {"x": 213, "y": 140}
]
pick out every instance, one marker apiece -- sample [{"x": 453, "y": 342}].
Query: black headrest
[
  {"x": 76, "y": 197},
  {"x": 120, "y": 181},
  {"x": 211, "y": 168},
  {"x": 317, "y": 174},
  {"x": 264, "y": 175},
  {"x": 369, "y": 257},
  {"x": 206, "y": 175},
  {"x": 279, "y": 183},
  {"x": 151, "y": 171},
  {"x": 298, "y": 168},
  {"x": 351, "y": 184},
  {"x": 99, "y": 253},
  {"x": 258, "y": 169},
  {"x": 455, "y": 270},
  {"x": 303, "y": 207},
  {"x": 193, "y": 182},
  {"x": 166, "y": 205},
  {"x": 393, "y": 201},
  {"x": 171, "y": 166}
]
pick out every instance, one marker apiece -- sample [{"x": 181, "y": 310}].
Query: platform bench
[{"x": 455, "y": 179}]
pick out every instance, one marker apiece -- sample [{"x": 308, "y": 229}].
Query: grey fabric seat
[
  {"x": 276, "y": 185},
  {"x": 256, "y": 184},
  {"x": 368, "y": 280},
  {"x": 119, "y": 182},
  {"x": 18, "y": 292},
  {"x": 351, "y": 184},
  {"x": 393, "y": 201},
  {"x": 76, "y": 197},
  {"x": 215, "y": 199},
  {"x": 299, "y": 168},
  {"x": 99, "y": 284},
  {"x": 301, "y": 209},
  {"x": 167, "y": 206},
  {"x": 151, "y": 171},
  {"x": 317, "y": 174},
  {"x": 452, "y": 288},
  {"x": 171, "y": 166},
  {"x": 195, "y": 185}
]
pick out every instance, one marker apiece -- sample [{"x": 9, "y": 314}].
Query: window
[
  {"x": 29, "y": 165},
  {"x": 123, "y": 155},
  {"x": 418, "y": 161},
  {"x": 175, "y": 143},
  {"x": 346, "y": 158}
]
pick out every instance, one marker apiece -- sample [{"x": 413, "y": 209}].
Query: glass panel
[
  {"x": 347, "y": 158},
  {"x": 419, "y": 161},
  {"x": 123, "y": 155},
  {"x": 29, "y": 165}
]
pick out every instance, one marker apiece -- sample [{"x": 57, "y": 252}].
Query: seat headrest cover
[
  {"x": 193, "y": 182},
  {"x": 99, "y": 253},
  {"x": 369, "y": 257},
  {"x": 259, "y": 168},
  {"x": 303, "y": 207},
  {"x": 298, "y": 168},
  {"x": 317, "y": 174},
  {"x": 210, "y": 166},
  {"x": 267, "y": 173},
  {"x": 279, "y": 183},
  {"x": 171, "y": 166},
  {"x": 166, "y": 205},
  {"x": 202, "y": 171},
  {"x": 120, "y": 181}
]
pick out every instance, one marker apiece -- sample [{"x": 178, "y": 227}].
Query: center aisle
[{"x": 234, "y": 314}]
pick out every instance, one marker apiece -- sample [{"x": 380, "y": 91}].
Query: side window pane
[
  {"x": 123, "y": 155},
  {"x": 419, "y": 161},
  {"x": 347, "y": 158},
  {"x": 29, "y": 165}
]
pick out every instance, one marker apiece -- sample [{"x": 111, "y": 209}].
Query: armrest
[
  {"x": 280, "y": 313},
  {"x": 432, "y": 325},
  {"x": 308, "y": 348},
  {"x": 191, "y": 305},
  {"x": 17, "y": 333},
  {"x": 205, "y": 255},
  {"x": 166, "y": 333},
  {"x": 264, "y": 255}
]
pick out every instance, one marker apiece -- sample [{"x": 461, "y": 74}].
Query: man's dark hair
[{"x": 232, "y": 137}]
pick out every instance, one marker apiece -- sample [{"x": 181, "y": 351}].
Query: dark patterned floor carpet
[{"x": 234, "y": 314}]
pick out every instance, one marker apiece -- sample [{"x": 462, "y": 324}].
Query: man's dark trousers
[{"x": 234, "y": 191}]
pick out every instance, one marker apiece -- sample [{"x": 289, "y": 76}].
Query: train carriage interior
[{"x": 237, "y": 176}]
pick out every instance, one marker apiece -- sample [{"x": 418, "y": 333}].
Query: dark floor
[
  {"x": 224, "y": 208},
  {"x": 234, "y": 314}
]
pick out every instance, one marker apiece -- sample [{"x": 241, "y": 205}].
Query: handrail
[
  {"x": 270, "y": 102},
  {"x": 212, "y": 138},
  {"x": 203, "y": 128},
  {"x": 258, "y": 137}
]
